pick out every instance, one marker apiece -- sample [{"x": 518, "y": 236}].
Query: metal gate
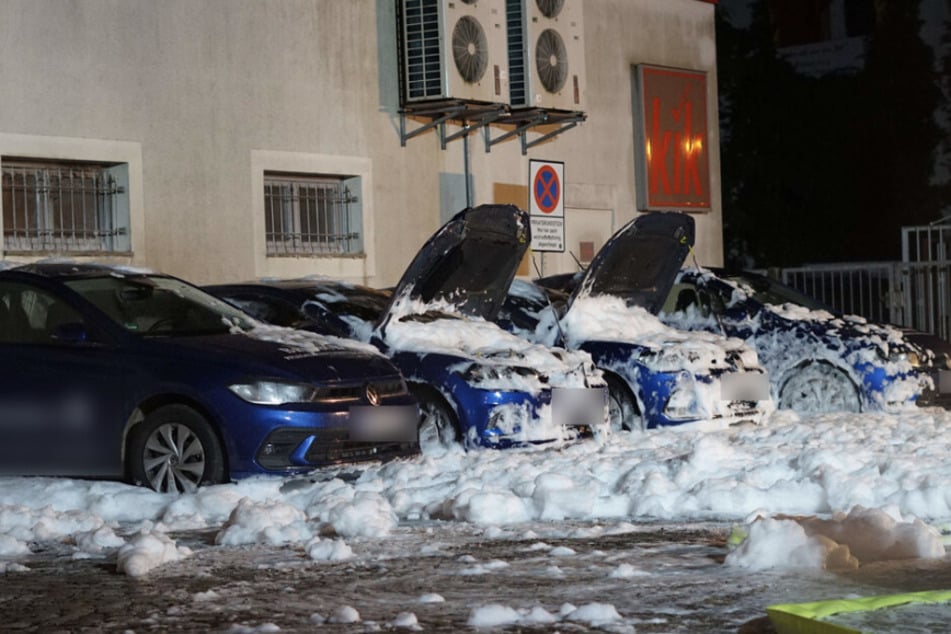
[{"x": 915, "y": 292}]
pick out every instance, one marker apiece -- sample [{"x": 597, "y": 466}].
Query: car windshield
[
  {"x": 155, "y": 305},
  {"x": 364, "y": 303},
  {"x": 769, "y": 292}
]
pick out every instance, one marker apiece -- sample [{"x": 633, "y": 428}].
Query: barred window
[
  {"x": 311, "y": 215},
  {"x": 64, "y": 207}
]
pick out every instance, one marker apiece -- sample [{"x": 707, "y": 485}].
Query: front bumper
[
  {"x": 274, "y": 440},
  {"x": 499, "y": 419},
  {"x": 724, "y": 399}
]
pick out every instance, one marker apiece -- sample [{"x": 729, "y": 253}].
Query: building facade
[{"x": 234, "y": 139}]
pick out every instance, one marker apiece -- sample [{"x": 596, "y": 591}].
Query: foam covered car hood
[
  {"x": 640, "y": 261},
  {"x": 468, "y": 265}
]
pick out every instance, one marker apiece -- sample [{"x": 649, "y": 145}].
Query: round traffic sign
[{"x": 546, "y": 189}]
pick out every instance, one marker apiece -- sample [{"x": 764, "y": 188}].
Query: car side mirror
[{"x": 73, "y": 332}]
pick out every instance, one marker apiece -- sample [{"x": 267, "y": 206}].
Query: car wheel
[
  {"x": 623, "y": 413},
  {"x": 819, "y": 387},
  {"x": 438, "y": 428},
  {"x": 175, "y": 450}
]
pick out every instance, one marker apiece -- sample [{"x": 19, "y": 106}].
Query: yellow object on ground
[{"x": 805, "y": 618}]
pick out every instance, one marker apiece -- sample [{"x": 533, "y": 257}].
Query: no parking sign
[{"x": 547, "y": 205}]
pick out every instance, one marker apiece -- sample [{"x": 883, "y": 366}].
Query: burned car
[
  {"x": 817, "y": 361},
  {"x": 477, "y": 384},
  {"x": 657, "y": 376}
]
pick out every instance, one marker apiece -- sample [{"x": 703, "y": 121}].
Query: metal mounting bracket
[
  {"x": 525, "y": 120},
  {"x": 471, "y": 116}
]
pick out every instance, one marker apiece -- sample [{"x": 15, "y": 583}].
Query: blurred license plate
[
  {"x": 386, "y": 423},
  {"x": 578, "y": 406},
  {"x": 744, "y": 386},
  {"x": 944, "y": 381}
]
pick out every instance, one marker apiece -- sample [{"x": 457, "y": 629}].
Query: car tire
[
  {"x": 623, "y": 413},
  {"x": 438, "y": 425},
  {"x": 811, "y": 386},
  {"x": 175, "y": 450}
]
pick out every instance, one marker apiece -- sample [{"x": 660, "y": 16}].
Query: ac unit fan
[
  {"x": 550, "y": 8},
  {"x": 551, "y": 60},
  {"x": 470, "y": 49}
]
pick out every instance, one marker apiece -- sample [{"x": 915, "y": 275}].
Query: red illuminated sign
[{"x": 672, "y": 147}]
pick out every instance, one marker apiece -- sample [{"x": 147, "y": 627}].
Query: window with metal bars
[
  {"x": 64, "y": 207},
  {"x": 311, "y": 215}
]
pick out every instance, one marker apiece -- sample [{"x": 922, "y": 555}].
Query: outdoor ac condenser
[
  {"x": 453, "y": 49},
  {"x": 546, "y": 54}
]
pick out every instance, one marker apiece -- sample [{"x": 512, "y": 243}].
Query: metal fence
[
  {"x": 915, "y": 292},
  {"x": 912, "y": 294}
]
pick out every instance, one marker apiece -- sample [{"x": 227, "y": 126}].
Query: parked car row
[{"x": 125, "y": 373}]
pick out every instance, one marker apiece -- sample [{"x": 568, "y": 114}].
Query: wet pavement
[{"x": 675, "y": 581}]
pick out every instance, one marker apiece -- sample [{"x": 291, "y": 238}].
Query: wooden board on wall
[{"x": 509, "y": 194}]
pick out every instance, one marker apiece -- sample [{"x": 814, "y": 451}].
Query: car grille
[
  {"x": 355, "y": 393},
  {"x": 330, "y": 446}
]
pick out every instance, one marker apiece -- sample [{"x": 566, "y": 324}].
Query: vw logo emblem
[{"x": 372, "y": 395}]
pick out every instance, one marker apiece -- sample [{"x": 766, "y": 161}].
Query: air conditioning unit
[
  {"x": 453, "y": 49},
  {"x": 546, "y": 54}
]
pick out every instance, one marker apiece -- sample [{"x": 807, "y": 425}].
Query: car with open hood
[
  {"x": 126, "y": 373},
  {"x": 817, "y": 361},
  {"x": 657, "y": 375},
  {"x": 477, "y": 384}
]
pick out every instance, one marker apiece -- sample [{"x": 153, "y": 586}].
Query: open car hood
[
  {"x": 468, "y": 264},
  {"x": 640, "y": 262}
]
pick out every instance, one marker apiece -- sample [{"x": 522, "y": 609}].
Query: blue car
[
  {"x": 817, "y": 361},
  {"x": 120, "y": 373},
  {"x": 656, "y": 376},
  {"x": 477, "y": 385}
]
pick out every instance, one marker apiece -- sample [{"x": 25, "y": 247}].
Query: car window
[
  {"x": 32, "y": 315},
  {"x": 155, "y": 305},
  {"x": 768, "y": 291},
  {"x": 686, "y": 298},
  {"x": 270, "y": 310},
  {"x": 682, "y": 297}
]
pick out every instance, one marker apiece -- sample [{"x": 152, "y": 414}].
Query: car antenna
[
  {"x": 561, "y": 333},
  {"x": 577, "y": 261},
  {"x": 716, "y": 315}
]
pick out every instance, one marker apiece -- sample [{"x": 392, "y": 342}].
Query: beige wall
[{"x": 201, "y": 96}]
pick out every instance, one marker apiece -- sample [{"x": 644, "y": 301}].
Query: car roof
[
  {"x": 300, "y": 283},
  {"x": 66, "y": 270}
]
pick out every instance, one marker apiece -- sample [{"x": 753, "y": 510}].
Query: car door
[{"x": 62, "y": 408}]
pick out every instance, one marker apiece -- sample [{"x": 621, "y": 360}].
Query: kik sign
[{"x": 672, "y": 142}]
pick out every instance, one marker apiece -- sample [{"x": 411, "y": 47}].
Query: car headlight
[
  {"x": 478, "y": 373},
  {"x": 274, "y": 392},
  {"x": 909, "y": 356}
]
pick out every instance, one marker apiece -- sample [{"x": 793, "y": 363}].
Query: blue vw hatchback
[
  {"x": 476, "y": 384},
  {"x": 120, "y": 373},
  {"x": 817, "y": 361}
]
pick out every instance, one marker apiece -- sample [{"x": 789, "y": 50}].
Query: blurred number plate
[
  {"x": 944, "y": 381},
  {"x": 744, "y": 386},
  {"x": 386, "y": 423},
  {"x": 578, "y": 406}
]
